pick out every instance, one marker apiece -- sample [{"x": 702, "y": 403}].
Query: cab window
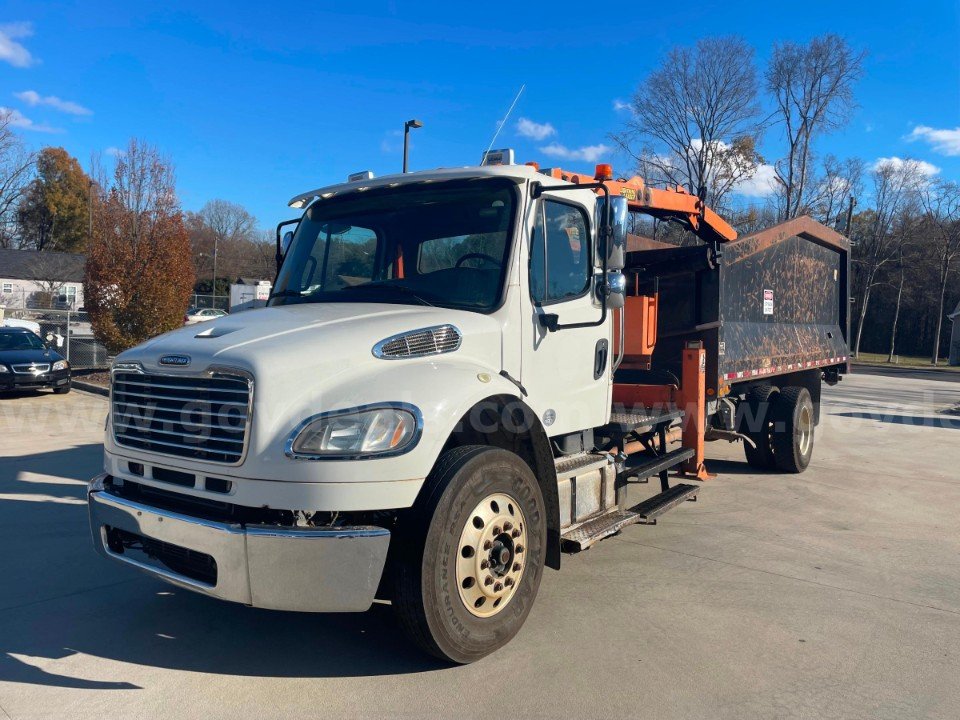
[{"x": 560, "y": 253}]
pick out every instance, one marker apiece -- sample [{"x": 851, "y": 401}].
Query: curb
[{"x": 90, "y": 388}]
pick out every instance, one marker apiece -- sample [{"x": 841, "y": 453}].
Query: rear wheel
[
  {"x": 471, "y": 555},
  {"x": 793, "y": 429},
  {"x": 756, "y": 422}
]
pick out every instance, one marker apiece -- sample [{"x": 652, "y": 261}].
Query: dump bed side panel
[{"x": 782, "y": 304}]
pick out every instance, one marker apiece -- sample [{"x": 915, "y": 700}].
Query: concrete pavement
[{"x": 832, "y": 594}]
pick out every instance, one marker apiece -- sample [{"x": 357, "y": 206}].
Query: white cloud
[
  {"x": 587, "y": 153},
  {"x": 926, "y": 169},
  {"x": 10, "y": 50},
  {"x": 113, "y": 151},
  {"x": 33, "y": 99},
  {"x": 18, "y": 120},
  {"x": 943, "y": 140},
  {"x": 535, "y": 130},
  {"x": 620, "y": 105},
  {"x": 763, "y": 183}
]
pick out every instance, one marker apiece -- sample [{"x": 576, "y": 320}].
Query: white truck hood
[{"x": 304, "y": 337}]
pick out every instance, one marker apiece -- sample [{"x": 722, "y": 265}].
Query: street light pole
[
  {"x": 406, "y": 138},
  {"x": 215, "y": 239}
]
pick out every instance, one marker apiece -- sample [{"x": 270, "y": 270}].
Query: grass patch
[{"x": 902, "y": 361}]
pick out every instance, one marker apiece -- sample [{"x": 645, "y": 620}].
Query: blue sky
[{"x": 256, "y": 102}]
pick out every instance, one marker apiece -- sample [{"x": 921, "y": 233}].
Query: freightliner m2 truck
[{"x": 459, "y": 375}]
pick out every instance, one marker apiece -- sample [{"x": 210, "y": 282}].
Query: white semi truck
[{"x": 427, "y": 410}]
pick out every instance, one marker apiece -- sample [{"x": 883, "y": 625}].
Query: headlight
[
  {"x": 60, "y": 365},
  {"x": 4, "y": 369},
  {"x": 369, "y": 431}
]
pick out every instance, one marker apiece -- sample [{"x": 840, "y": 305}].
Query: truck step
[
  {"x": 626, "y": 422},
  {"x": 641, "y": 467},
  {"x": 573, "y": 465},
  {"x": 651, "y": 508},
  {"x": 592, "y": 531}
]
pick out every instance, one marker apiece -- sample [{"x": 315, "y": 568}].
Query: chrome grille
[
  {"x": 31, "y": 368},
  {"x": 204, "y": 418},
  {"x": 418, "y": 343}
]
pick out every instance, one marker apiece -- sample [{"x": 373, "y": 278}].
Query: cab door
[{"x": 566, "y": 372}]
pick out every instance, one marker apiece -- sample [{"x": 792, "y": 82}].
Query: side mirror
[
  {"x": 613, "y": 290},
  {"x": 285, "y": 242},
  {"x": 616, "y": 246}
]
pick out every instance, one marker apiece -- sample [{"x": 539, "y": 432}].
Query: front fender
[{"x": 443, "y": 391}]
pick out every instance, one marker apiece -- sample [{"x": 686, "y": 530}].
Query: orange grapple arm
[{"x": 662, "y": 203}]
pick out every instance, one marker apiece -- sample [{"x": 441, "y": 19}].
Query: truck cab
[{"x": 423, "y": 413}]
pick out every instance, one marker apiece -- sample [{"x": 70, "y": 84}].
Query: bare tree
[
  {"x": 941, "y": 204},
  {"x": 905, "y": 229},
  {"x": 694, "y": 119},
  {"x": 812, "y": 86},
  {"x": 227, "y": 230},
  {"x": 50, "y": 271},
  {"x": 893, "y": 185},
  {"x": 16, "y": 167},
  {"x": 841, "y": 180}
]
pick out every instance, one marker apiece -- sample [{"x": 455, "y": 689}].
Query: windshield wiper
[{"x": 387, "y": 285}]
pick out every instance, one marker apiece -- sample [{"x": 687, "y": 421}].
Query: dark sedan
[{"x": 28, "y": 363}]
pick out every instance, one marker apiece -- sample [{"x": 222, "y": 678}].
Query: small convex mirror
[
  {"x": 285, "y": 242},
  {"x": 617, "y": 247}
]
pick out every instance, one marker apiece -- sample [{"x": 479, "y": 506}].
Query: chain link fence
[
  {"x": 68, "y": 331},
  {"x": 221, "y": 302}
]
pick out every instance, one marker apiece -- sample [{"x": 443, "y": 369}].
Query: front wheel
[{"x": 470, "y": 557}]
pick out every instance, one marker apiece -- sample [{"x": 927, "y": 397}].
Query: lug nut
[
  {"x": 507, "y": 526},
  {"x": 496, "y": 529},
  {"x": 516, "y": 567},
  {"x": 515, "y": 533},
  {"x": 508, "y": 582},
  {"x": 488, "y": 581},
  {"x": 498, "y": 587},
  {"x": 487, "y": 545},
  {"x": 484, "y": 564},
  {"x": 519, "y": 549}
]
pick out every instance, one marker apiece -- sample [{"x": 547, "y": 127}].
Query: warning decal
[{"x": 768, "y": 302}]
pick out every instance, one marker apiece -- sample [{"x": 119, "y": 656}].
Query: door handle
[{"x": 600, "y": 356}]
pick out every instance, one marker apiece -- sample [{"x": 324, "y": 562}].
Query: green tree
[
  {"x": 54, "y": 211},
  {"x": 139, "y": 273}
]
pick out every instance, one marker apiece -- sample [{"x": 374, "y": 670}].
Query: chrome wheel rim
[
  {"x": 491, "y": 555},
  {"x": 805, "y": 430}
]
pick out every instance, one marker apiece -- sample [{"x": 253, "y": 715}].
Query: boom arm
[{"x": 675, "y": 204}]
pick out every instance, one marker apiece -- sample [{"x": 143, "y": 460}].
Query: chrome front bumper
[{"x": 307, "y": 570}]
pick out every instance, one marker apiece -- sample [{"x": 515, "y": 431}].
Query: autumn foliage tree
[
  {"x": 140, "y": 272},
  {"x": 54, "y": 211}
]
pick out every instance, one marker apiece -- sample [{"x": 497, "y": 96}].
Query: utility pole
[
  {"x": 406, "y": 138},
  {"x": 215, "y": 241},
  {"x": 90, "y": 211},
  {"x": 853, "y": 201}
]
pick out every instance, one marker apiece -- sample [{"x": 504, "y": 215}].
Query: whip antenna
[{"x": 504, "y": 121}]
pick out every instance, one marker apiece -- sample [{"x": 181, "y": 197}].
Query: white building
[
  {"x": 32, "y": 279},
  {"x": 955, "y": 337}
]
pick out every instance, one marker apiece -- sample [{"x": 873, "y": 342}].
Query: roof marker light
[{"x": 604, "y": 171}]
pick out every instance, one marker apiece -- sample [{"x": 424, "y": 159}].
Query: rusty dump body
[{"x": 767, "y": 304}]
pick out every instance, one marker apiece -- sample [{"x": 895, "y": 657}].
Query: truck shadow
[
  {"x": 59, "y": 598},
  {"x": 943, "y": 421}
]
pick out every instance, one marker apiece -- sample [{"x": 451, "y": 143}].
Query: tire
[
  {"x": 759, "y": 426},
  {"x": 61, "y": 390},
  {"x": 472, "y": 492},
  {"x": 793, "y": 429}
]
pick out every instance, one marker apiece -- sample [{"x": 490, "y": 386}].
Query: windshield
[
  {"x": 440, "y": 244},
  {"x": 20, "y": 341}
]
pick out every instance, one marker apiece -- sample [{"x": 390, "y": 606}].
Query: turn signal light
[{"x": 603, "y": 172}]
